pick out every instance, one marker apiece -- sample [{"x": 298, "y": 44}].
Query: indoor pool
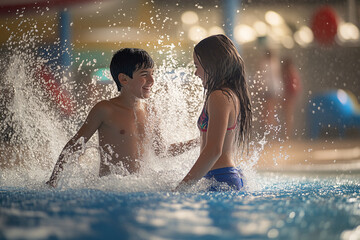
[
  {"x": 285, "y": 207},
  {"x": 37, "y": 121}
]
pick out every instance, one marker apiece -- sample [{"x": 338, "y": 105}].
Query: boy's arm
[
  {"x": 92, "y": 123},
  {"x": 72, "y": 146},
  {"x": 174, "y": 149},
  {"x": 181, "y": 147}
]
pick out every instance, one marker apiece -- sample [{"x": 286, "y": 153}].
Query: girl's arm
[
  {"x": 219, "y": 109},
  {"x": 92, "y": 123}
]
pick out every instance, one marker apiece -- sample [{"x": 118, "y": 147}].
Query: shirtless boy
[{"x": 120, "y": 121}]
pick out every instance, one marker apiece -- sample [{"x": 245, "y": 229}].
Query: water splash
[
  {"x": 43, "y": 107},
  {"x": 40, "y": 129}
]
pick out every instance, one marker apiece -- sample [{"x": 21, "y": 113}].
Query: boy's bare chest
[{"x": 125, "y": 123}]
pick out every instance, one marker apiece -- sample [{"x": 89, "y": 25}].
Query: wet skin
[{"x": 120, "y": 123}]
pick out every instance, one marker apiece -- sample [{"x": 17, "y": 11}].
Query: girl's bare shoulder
[{"x": 222, "y": 95}]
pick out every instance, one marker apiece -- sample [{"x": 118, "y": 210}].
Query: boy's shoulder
[
  {"x": 105, "y": 106},
  {"x": 108, "y": 108},
  {"x": 117, "y": 104}
]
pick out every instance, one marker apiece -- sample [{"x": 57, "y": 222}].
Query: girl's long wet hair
[{"x": 224, "y": 69}]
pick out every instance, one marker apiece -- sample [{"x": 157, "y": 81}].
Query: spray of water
[
  {"x": 40, "y": 130},
  {"x": 43, "y": 107}
]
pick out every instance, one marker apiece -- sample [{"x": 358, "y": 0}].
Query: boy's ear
[{"x": 123, "y": 79}]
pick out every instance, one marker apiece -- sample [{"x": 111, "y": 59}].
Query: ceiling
[{"x": 157, "y": 21}]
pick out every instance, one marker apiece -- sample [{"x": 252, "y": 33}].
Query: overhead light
[
  {"x": 196, "y": 33},
  {"x": 244, "y": 33},
  {"x": 260, "y": 28},
  {"x": 304, "y": 36},
  {"x": 287, "y": 42},
  {"x": 273, "y": 18},
  {"x": 189, "y": 17},
  {"x": 280, "y": 30},
  {"x": 348, "y": 32}
]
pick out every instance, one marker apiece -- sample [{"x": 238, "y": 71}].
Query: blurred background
[{"x": 301, "y": 56}]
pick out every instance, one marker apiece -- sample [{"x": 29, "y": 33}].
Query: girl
[{"x": 226, "y": 116}]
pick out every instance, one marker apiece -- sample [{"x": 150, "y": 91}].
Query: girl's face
[{"x": 199, "y": 69}]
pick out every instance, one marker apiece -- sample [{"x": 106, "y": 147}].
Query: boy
[{"x": 120, "y": 121}]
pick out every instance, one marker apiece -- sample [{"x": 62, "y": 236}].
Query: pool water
[{"x": 285, "y": 207}]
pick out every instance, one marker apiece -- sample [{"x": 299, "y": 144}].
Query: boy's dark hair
[{"x": 127, "y": 61}]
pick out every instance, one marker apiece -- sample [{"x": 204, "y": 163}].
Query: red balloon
[{"x": 324, "y": 25}]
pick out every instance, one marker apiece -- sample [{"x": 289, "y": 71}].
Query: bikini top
[{"x": 202, "y": 122}]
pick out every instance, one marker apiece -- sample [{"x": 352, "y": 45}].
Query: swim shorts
[{"x": 225, "y": 179}]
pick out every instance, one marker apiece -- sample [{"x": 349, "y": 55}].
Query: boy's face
[
  {"x": 142, "y": 82},
  {"x": 199, "y": 69}
]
